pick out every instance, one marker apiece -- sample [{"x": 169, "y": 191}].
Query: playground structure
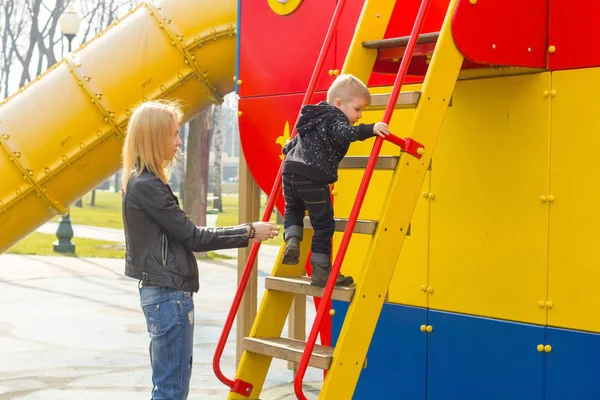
[{"x": 475, "y": 261}]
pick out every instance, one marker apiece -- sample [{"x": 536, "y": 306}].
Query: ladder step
[
  {"x": 360, "y": 162},
  {"x": 405, "y": 100},
  {"x": 363, "y": 226},
  {"x": 425, "y": 38},
  {"x": 301, "y": 285},
  {"x": 290, "y": 350}
]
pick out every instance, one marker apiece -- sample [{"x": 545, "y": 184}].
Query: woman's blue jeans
[{"x": 170, "y": 319}]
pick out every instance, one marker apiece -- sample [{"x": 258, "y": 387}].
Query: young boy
[{"x": 325, "y": 131}]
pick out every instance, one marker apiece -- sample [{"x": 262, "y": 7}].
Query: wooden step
[
  {"x": 301, "y": 285},
  {"x": 363, "y": 226},
  {"x": 405, "y": 100},
  {"x": 290, "y": 350},
  {"x": 425, "y": 38},
  {"x": 360, "y": 162}
]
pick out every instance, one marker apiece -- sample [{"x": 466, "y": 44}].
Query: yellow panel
[
  {"x": 412, "y": 266},
  {"x": 410, "y": 281},
  {"x": 575, "y": 213},
  {"x": 65, "y": 126},
  {"x": 489, "y": 229}
]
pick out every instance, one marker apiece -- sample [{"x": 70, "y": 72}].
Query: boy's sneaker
[
  {"x": 291, "y": 254},
  {"x": 320, "y": 275}
]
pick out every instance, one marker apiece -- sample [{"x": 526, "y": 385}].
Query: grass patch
[
  {"x": 40, "y": 244},
  {"x": 106, "y": 212}
]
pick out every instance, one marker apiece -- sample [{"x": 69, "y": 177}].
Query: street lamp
[{"x": 69, "y": 24}]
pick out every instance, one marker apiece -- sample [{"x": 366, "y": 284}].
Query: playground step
[
  {"x": 290, "y": 350},
  {"x": 405, "y": 100},
  {"x": 301, "y": 285},
  {"x": 391, "y": 43},
  {"x": 360, "y": 162},
  {"x": 363, "y": 226}
]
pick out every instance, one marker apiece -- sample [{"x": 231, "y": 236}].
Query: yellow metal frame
[{"x": 384, "y": 250}]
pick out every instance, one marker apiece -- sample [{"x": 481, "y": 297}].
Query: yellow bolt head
[
  {"x": 420, "y": 151},
  {"x": 423, "y": 328},
  {"x": 551, "y": 49},
  {"x": 473, "y": 1},
  {"x": 240, "y": 113},
  {"x": 332, "y": 312},
  {"x": 547, "y": 348},
  {"x": 429, "y": 328},
  {"x": 239, "y": 82},
  {"x": 540, "y": 347},
  {"x": 336, "y": 72}
]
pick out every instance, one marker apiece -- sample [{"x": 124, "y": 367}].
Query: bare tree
[
  {"x": 30, "y": 32},
  {"x": 196, "y": 170},
  {"x": 217, "y": 142}
]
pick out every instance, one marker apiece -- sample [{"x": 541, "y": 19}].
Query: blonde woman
[{"x": 160, "y": 241}]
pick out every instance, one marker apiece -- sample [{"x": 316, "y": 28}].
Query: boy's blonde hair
[
  {"x": 149, "y": 132},
  {"x": 346, "y": 87}
]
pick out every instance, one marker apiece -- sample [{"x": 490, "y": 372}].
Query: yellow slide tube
[{"x": 61, "y": 134}]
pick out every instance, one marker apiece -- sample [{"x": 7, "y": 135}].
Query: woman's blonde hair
[{"x": 149, "y": 132}]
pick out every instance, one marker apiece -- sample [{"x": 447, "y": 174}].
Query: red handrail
[
  {"x": 359, "y": 200},
  {"x": 238, "y": 386}
]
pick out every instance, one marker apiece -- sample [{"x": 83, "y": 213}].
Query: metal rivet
[
  {"x": 546, "y": 93},
  {"x": 10, "y": 159},
  {"x": 151, "y": 13},
  {"x": 99, "y": 96},
  {"x": 105, "y": 119},
  {"x": 423, "y": 288},
  {"x": 47, "y": 170},
  {"x": 473, "y": 1},
  {"x": 5, "y": 137},
  {"x": 239, "y": 113},
  {"x": 162, "y": 88},
  {"x": 239, "y": 82},
  {"x": 551, "y": 49},
  {"x": 553, "y": 93},
  {"x": 529, "y": 49},
  {"x": 186, "y": 61},
  {"x": 430, "y": 290},
  {"x": 18, "y": 191},
  {"x": 161, "y": 26},
  {"x": 80, "y": 83},
  {"x": 99, "y": 133},
  {"x": 168, "y": 21},
  {"x": 17, "y": 154},
  {"x": 549, "y": 304},
  {"x": 30, "y": 172},
  {"x": 493, "y": 46},
  {"x": 179, "y": 75},
  {"x": 92, "y": 101},
  {"x": 173, "y": 43},
  {"x": 180, "y": 38},
  {"x": 64, "y": 158},
  {"x": 541, "y": 304},
  {"x": 87, "y": 79},
  {"x": 81, "y": 145},
  {"x": 378, "y": 16},
  {"x": 112, "y": 114},
  {"x": 127, "y": 112}
]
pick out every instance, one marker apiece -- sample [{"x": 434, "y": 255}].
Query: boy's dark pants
[{"x": 302, "y": 194}]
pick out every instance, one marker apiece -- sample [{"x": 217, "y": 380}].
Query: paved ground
[{"x": 72, "y": 328}]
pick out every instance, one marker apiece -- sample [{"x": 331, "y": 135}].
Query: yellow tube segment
[{"x": 61, "y": 134}]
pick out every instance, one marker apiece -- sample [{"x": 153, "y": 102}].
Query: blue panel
[
  {"x": 396, "y": 357},
  {"x": 572, "y": 367},
  {"x": 472, "y": 358}
]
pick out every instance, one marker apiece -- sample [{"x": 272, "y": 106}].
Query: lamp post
[{"x": 69, "y": 26}]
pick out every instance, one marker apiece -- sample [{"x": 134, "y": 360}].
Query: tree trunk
[
  {"x": 93, "y": 200},
  {"x": 196, "y": 174},
  {"x": 117, "y": 181},
  {"x": 218, "y": 140}
]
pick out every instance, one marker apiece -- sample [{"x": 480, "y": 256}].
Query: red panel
[
  {"x": 575, "y": 32},
  {"x": 405, "y": 12},
  {"x": 261, "y": 124},
  {"x": 278, "y": 53},
  {"x": 504, "y": 33}
]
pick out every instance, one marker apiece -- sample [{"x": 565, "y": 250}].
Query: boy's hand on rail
[{"x": 381, "y": 129}]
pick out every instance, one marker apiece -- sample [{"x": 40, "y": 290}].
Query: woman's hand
[{"x": 264, "y": 231}]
